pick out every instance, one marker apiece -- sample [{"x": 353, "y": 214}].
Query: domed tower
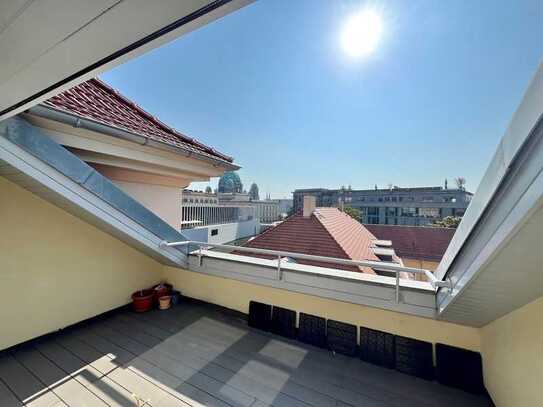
[{"x": 230, "y": 183}]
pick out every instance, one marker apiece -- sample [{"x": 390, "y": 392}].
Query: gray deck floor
[{"x": 197, "y": 355}]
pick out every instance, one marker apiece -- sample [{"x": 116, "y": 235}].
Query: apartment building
[{"x": 393, "y": 206}]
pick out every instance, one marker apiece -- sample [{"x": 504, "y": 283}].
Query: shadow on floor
[{"x": 197, "y": 354}]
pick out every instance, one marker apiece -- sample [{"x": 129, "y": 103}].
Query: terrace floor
[{"x": 193, "y": 355}]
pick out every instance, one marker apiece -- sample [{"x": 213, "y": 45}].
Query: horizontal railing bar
[{"x": 386, "y": 266}]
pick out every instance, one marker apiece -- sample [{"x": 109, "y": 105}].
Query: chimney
[{"x": 310, "y": 202}]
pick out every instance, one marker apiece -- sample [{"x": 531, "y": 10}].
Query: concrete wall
[
  {"x": 512, "y": 348},
  {"x": 236, "y": 295},
  {"x": 56, "y": 270}
]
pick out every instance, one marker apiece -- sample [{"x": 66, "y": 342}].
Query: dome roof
[{"x": 230, "y": 183}]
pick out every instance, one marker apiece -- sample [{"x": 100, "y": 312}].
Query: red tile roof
[
  {"x": 415, "y": 242},
  {"x": 97, "y": 101},
  {"x": 327, "y": 232}
]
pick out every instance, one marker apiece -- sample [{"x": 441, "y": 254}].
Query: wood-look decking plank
[
  {"x": 57, "y": 380},
  {"x": 25, "y": 385},
  {"x": 194, "y": 355},
  {"x": 7, "y": 397}
]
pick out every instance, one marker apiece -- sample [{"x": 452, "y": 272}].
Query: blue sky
[{"x": 271, "y": 86}]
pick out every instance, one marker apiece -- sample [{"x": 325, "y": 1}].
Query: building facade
[
  {"x": 394, "y": 206},
  {"x": 225, "y": 206}
]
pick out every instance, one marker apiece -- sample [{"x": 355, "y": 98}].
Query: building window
[
  {"x": 429, "y": 212},
  {"x": 391, "y": 211},
  {"x": 373, "y": 211},
  {"x": 214, "y": 232},
  {"x": 409, "y": 212}
]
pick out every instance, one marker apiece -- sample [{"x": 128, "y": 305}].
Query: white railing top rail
[{"x": 385, "y": 266}]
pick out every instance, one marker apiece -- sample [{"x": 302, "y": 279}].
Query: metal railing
[
  {"x": 210, "y": 214},
  {"x": 385, "y": 266}
]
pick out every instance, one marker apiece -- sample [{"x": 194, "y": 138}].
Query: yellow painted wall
[
  {"x": 236, "y": 295},
  {"x": 56, "y": 270},
  {"x": 512, "y": 349}
]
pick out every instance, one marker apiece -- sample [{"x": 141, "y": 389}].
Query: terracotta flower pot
[
  {"x": 164, "y": 302},
  {"x": 161, "y": 290},
  {"x": 142, "y": 300}
]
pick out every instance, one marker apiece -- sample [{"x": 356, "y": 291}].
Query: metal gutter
[{"x": 74, "y": 120}]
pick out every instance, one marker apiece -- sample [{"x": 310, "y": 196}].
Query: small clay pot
[
  {"x": 162, "y": 290},
  {"x": 164, "y": 302}
]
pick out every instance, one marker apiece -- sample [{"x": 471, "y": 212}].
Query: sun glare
[{"x": 361, "y": 33}]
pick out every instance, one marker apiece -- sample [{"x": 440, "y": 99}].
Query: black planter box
[
  {"x": 341, "y": 337},
  {"x": 260, "y": 315},
  {"x": 283, "y": 322},
  {"x": 459, "y": 368},
  {"x": 377, "y": 347},
  {"x": 414, "y": 357},
  {"x": 312, "y": 330}
]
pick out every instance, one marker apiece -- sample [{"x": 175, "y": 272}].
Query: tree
[
  {"x": 460, "y": 182},
  {"x": 209, "y": 190},
  {"x": 352, "y": 212},
  {"x": 448, "y": 222},
  {"x": 253, "y": 192}
]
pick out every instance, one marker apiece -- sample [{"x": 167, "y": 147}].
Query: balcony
[
  {"x": 197, "y": 354},
  {"x": 218, "y": 223}
]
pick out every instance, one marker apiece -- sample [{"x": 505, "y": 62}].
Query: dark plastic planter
[
  {"x": 142, "y": 300},
  {"x": 176, "y": 297}
]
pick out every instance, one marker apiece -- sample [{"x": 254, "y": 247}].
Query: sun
[{"x": 361, "y": 33}]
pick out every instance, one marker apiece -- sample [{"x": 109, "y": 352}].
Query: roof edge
[{"x": 71, "y": 119}]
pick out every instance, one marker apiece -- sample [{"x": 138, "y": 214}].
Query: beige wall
[
  {"x": 512, "y": 349},
  {"x": 56, "y": 270},
  {"x": 236, "y": 295},
  {"x": 420, "y": 264},
  {"x": 164, "y": 201}
]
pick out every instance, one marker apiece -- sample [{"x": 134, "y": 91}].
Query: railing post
[
  {"x": 397, "y": 287},
  {"x": 279, "y": 272}
]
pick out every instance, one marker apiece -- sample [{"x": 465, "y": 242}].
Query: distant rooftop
[
  {"x": 415, "y": 242},
  {"x": 327, "y": 232},
  {"x": 381, "y": 190}
]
